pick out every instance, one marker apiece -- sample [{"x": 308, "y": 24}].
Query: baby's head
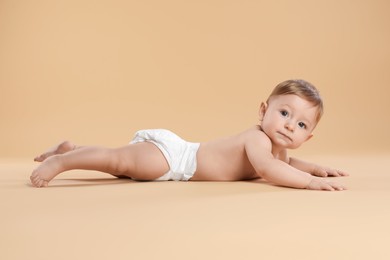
[
  {"x": 291, "y": 113},
  {"x": 303, "y": 89}
]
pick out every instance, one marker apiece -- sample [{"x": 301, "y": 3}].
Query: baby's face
[{"x": 288, "y": 120}]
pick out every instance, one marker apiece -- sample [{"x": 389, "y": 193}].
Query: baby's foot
[
  {"x": 45, "y": 172},
  {"x": 59, "y": 149}
]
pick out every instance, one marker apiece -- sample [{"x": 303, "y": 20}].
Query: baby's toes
[
  {"x": 41, "y": 157},
  {"x": 41, "y": 183},
  {"x": 36, "y": 181},
  {"x": 33, "y": 178}
]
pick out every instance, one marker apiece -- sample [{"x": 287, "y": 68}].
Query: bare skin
[
  {"x": 261, "y": 151},
  {"x": 61, "y": 148},
  {"x": 142, "y": 161},
  {"x": 220, "y": 160}
]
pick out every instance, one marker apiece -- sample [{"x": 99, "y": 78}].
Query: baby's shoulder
[
  {"x": 254, "y": 132},
  {"x": 256, "y": 136}
]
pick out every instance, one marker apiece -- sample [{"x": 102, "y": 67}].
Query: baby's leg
[{"x": 143, "y": 161}]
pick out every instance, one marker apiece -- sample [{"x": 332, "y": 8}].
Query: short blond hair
[{"x": 303, "y": 89}]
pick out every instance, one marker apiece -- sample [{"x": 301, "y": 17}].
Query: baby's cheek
[{"x": 299, "y": 141}]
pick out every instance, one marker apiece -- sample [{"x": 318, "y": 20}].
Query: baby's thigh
[{"x": 146, "y": 160}]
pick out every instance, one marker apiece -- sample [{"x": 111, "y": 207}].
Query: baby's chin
[{"x": 282, "y": 144}]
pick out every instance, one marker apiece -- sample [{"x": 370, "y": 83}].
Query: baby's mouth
[{"x": 286, "y": 136}]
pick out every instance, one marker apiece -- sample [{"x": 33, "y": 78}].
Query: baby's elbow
[
  {"x": 262, "y": 174},
  {"x": 267, "y": 173}
]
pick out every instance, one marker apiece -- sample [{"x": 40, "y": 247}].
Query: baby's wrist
[{"x": 311, "y": 180}]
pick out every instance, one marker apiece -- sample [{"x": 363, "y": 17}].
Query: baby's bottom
[
  {"x": 179, "y": 154},
  {"x": 141, "y": 161}
]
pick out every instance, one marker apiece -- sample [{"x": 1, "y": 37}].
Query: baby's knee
[{"x": 120, "y": 163}]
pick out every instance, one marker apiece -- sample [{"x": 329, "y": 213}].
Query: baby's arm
[
  {"x": 258, "y": 148},
  {"x": 315, "y": 169}
]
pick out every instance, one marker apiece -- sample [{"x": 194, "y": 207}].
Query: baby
[{"x": 287, "y": 120}]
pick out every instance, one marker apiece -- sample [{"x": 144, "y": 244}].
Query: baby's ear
[
  {"x": 310, "y": 137},
  {"x": 263, "y": 108}
]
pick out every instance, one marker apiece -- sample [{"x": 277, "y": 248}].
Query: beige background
[
  {"x": 89, "y": 215},
  {"x": 96, "y": 71}
]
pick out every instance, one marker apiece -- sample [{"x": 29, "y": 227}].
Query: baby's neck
[{"x": 277, "y": 152}]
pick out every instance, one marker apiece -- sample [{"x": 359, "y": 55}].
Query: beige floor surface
[{"x": 88, "y": 215}]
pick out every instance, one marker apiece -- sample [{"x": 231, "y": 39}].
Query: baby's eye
[
  {"x": 302, "y": 125},
  {"x": 284, "y": 113}
]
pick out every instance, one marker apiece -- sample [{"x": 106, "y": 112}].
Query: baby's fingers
[
  {"x": 319, "y": 172},
  {"x": 332, "y": 173},
  {"x": 327, "y": 187},
  {"x": 336, "y": 173},
  {"x": 322, "y": 184},
  {"x": 342, "y": 173},
  {"x": 337, "y": 186}
]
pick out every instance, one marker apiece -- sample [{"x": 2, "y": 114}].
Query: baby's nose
[{"x": 289, "y": 127}]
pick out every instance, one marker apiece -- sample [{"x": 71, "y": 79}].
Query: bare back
[{"x": 224, "y": 160}]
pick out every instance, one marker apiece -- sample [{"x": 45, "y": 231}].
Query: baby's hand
[
  {"x": 321, "y": 184},
  {"x": 321, "y": 171}
]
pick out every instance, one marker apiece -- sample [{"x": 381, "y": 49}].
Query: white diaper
[{"x": 180, "y": 154}]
